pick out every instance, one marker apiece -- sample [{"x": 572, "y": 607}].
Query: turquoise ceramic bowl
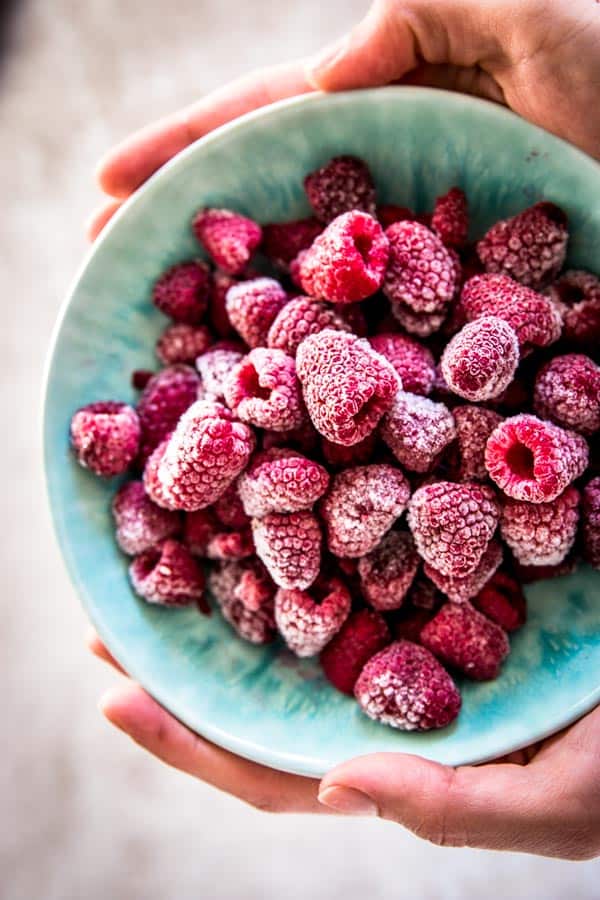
[{"x": 261, "y": 702}]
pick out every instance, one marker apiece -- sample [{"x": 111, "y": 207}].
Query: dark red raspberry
[
  {"x": 387, "y": 572},
  {"x": 140, "y": 378},
  {"x": 283, "y": 241},
  {"x": 105, "y": 437},
  {"x": 182, "y": 292},
  {"x": 305, "y": 439},
  {"x": 460, "y": 589},
  {"x": 216, "y": 365},
  {"x": 413, "y": 362},
  {"x": 473, "y": 428},
  {"x": 347, "y": 387},
  {"x": 347, "y": 262},
  {"x": 207, "y": 450},
  {"x": 231, "y": 545},
  {"x": 289, "y": 544},
  {"x": 416, "y": 429},
  {"x": 390, "y": 213},
  {"x": 424, "y": 594},
  {"x": 577, "y": 296},
  {"x": 533, "y": 460},
  {"x": 541, "y": 534},
  {"x": 228, "y": 237},
  {"x": 567, "y": 391},
  {"x": 362, "y": 635},
  {"x": 531, "y": 574},
  {"x": 362, "y": 505},
  {"x": 354, "y": 316},
  {"x": 420, "y": 324},
  {"x": 421, "y": 273},
  {"x": 450, "y": 219},
  {"x": 217, "y": 310},
  {"x": 281, "y": 480},
  {"x": 181, "y": 343},
  {"x": 343, "y": 184},
  {"x": 168, "y": 575},
  {"x": 299, "y": 318},
  {"x": 408, "y": 622},
  {"x": 404, "y": 686},
  {"x": 452, "y": 524},
  {"x": 245, "y": 596},
  {"x": 263, "y": 390},
  {"x": 140, "y": 523},
  {"x": 534, "y": 318},
  {"x": 307, "y": 620},
  {"x": 339, "y": 456},
  {"x": 531, "y": 247},
  {"x": 229, "y": 509},
  {"x": 164, "y": 400},
  {"x": 481, "y": 360},
  {"x": 462, "y": 637},
  {"x": 252, "y": 307},
  {"x": 590, "y": 510},
  {"x": 199, "y": 528},
  {"x": 502, "y": 600}
]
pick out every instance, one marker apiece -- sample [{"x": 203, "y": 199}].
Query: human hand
[
  {"x": 543, "y": 800},
  {"x": 539, "y": 57}
]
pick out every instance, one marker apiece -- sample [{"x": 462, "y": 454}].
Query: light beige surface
[{"x": 84, "y": 814}]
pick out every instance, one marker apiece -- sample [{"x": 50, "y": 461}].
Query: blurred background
[{"x": 83, "y": 813}]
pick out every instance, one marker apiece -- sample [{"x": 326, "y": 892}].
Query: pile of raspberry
[{"x": 364, "y": 433}]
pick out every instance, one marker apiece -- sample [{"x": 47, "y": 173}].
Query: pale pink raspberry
[
  {"x": 481, "y": 360},
  {"x": 228, "y": 237},
  {"x": 462, "y": 637},
  {"x": 245, "y": 595},
  {"x": 450, "y": 219},
  {"x": 474, "y": 424},
  {"x": 347, "y": 387},
  {"x": 163, "y": 401},
  {"x": 140, "y": 524},
  {"x": 252, "y": 307},
  {"x": 362, "y": 505},
  {"x": 182, "y": 343},
  {"x": 182, "y": 292},
  {"x": 298, "y": 319},
  {"x": 152, "y": 483},
  {"x": 567, "y": 391},
  {"x": 263, "y": 390},
  {"x": 307, "y": 620},
  {"x": 590, "y": 514},
  {"x": 452, "y": 524},
  {"x": 338, "y": 456},
  {"x": 421, "y": 273},
  {"x": 413, "y": 362},
  {"x": 534, "y": 460},
  {"x": 421, "y": 325},
  {"x": 341, "y": 185},
  {"x": 289, "y": 544},
  {"x": 387, "y": 572},
  {"x": 215, "y": 367},
  {"x": 169, "y": 575},
  {"x": 105, "y": 437},
  {"x": 541, "y": 534},
  {"x": 461, "y": 589},
  {"x": 281, "y": 480},
  {"x": 576, "y": 295},
  {"x": 416, "y": 429}
]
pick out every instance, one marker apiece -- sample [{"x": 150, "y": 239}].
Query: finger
[
  {"x": 129, "y": 708},
  {"x": 95, "y": 646},
  {"x": 100, "y": 217},
  {"x": 133, "y": 161},
  {"x": 465, "y": 80}
]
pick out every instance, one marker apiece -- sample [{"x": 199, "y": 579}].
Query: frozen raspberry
[
  {"x": 534, "y": 318},
  {"x": 424, "y": 594},
  {"x": 231, "y": 545},
  {"x": 228, "y": 237},
  {"x": 164, "y": 400},
  {"x": 577, "y": 296},
  {"x": 452, "y": 524},
  {"x": 140, "y": 523},
  {"x": 481, "y": 360},
  {"x": 182, "y": 343},
  {"x": 347, "y": 262},
  {"x": 140, "y": 378},
  {"x": 205, "y": 453},
  {"x": 567, "y": 391},
  {"x": 420, "y": 324},
  {"x": 168, "y": 575},
  {"x": 408, "y": 622},
  {"x": 347, "y": 387},
  {"x": 473, "y": 428},
  {"x": 289, "y": 544},
  {"x": 283, "y": 241},
  {"x": 341, "y": 457},
  {"x": 462, "y": 637},
  {"x": 387, "y": 572},
  {"x": 152, "y": 484},
  {"x": 362, "y": 505},
  {"x": 416, "y": 429},
  {"x": 245, "y": 596},
  {"x": 460, "y": 589},
  {"x": 264, "y": 390},
  {"x": 281, "y": 480},
  {"x": 299, "y": 318},
  {"x": 421, "y": 273},
  {"x": 216, "y": 365},
  {"x": 533, "y": 460},
  {"x": 305, "y": 438},
  {"x": 307, "y": 620},
  {"x": 217, "y": 310},
  {"x": 413, "y": 362},
  {"x": 199, "y": 528},
  {"x": 404, "y": 686},
  {"x": 105, "y": 437},
  {"x": 390, "y": 213},
  {"x": 531, "y": 247},
  {"x": 450, "y": 219},
  {"x": 502, "y": 600},
  {"x": 252, "y": 307},
  {"x": 530, "y": 574},
  {"x": 590, "y": 510},
  {"x": 182, "y": 292},
  {"x": 343, "y": 184},
  {"x": 541, "y": 534},
  {"x": 229, "y": 509},
  {"x": 363, "y": 634}
]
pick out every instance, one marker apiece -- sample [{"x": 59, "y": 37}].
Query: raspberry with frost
[
  {"x": 387, "y": 572},
  {"x": 231, "y": 545},
  {"x": 405, "y": 686},
  {"x": 541, "y": 534},
  {"x": 105, "y": 437},
  {"x": 452, "y": 524},
  {"x": 413, "y": 362},
  {"x": 474, "y": 424},
  {"x": 462, "y": 637},
  {"x": 199, "y": 528},
  {"x": 182, "y": 343},
  {"x": 533, "y": 460},
  {"x": 245, "y": 594},
  {"x": 163, "y": 401},
  {"x": 347, "y": 387},
  {"x": 252, "y": 307},
  {"x": 362, "y": 505},
  {"x": 152, "y": 483},
  {"x": 307, "y": 620},
  {"x": 591, "y": 522},
  {"x": 169, "y": 575},
  {"x": 416, "y": 429},
  {"x": 421, "y": 273},
  {"x": 140, "y": 524},
  {"x": 421, "y": 325},
  {"x": 461, "y": 589},
  {"x": 283, "y": 241},
  {"x": 215, "y": 366},
  {"x": 263, "y": 390},
  {"x": 229, "y": 238},
  {"x": 183, "y": 291},
  {"x": 363, "y": 634},
  {"x": 567, "y": 391},
  {"x": 281, "y": 480},
  {"x": 502, "y": 600},
  {"x": 342, "y": 185},
  {"x": 298, "y": 319},
  {"x": 450, "y": 219},
  {"x": 480, "y": 361},
  {"x": 340, "y": 457},
  {"x": 289, "y": 545},
  {"x": 576, "y": 295}
]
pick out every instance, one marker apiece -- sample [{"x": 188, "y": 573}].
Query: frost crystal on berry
[
  {"x": 480, "y": 361},
  {"x": 263, "y": 390}
]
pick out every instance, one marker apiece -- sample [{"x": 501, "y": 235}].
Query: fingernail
[
  {"x": 324, "y": 59},
  {"x": 348, "y": 801}
]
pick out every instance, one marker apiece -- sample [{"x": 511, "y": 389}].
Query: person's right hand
[{"x": 539, "y": 57}]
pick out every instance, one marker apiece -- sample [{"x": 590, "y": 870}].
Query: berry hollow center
[
  {"x": 521, "y": 461},
  {"x": 363, "y": 244},
  {"x": 252, "y": 385}
]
